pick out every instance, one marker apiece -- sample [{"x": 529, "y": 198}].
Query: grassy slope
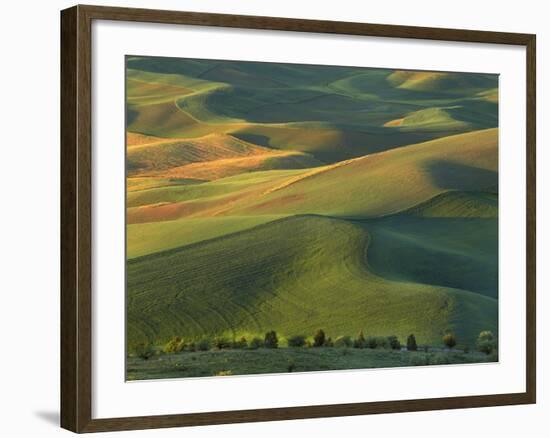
[
  {"x": 333, "y": 113},
  {"x": 458, "y": 204},
  {"x": 456, "y": 232},
  {"x": 454, "y": 252},
  {"x": 201, "y": 200},
  {"x": 166, "y": 154},
  {"x": 453, "y": 83},
  {"x": 182, "y": 206},
  {"x": 150, "y": 237},
  {"x": 293, "y": 275},
  {"x": 222, "y": 168},
  {"x": 389, "y": 181},
  {"x": 462, "y": 162},
  {"x": 234, "y": 266},
  {"x": 235, "y": 362}
]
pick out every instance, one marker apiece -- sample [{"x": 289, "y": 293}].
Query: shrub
[
  {"x": 360, "y": 342},
  {"x": 449, "y": 340},
  {"x": 255, "y": 343},
  {"x": 291, "y": 366},
  {"x": 144, "y": 350},
  {"x": 486, "y": 342},
  {"x": 203, "y": 345},
  {"x": 485, "y": 335},
  {"x": 296, "y": 341},
  {"x": 377, "y": 342},
  {"x": 394, "y": 343},
  {"x": 319, "y": 338},
  {"x": 411, "y": 343},
  {"x": 370, "y": 342},
  {"x": 343, "y": 341},
  {"x": 224, "y": 373},
  {"x": 241, "y": 343},
  {"x": 328, "y": 342},
  {"x": 271, "y": 340},
  {"x": 174, "y": 345},
  {"x": 222, "y": 343}
]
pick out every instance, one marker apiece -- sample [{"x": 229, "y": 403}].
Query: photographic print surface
[{"x": 291, "y": 218}]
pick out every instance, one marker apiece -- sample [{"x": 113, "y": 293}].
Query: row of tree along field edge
[{"x": 486, "y": 343}]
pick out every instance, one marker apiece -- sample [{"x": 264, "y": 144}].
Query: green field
[
  {"x": 295, "y": 198},
  {"x": 287, "y": 360}
]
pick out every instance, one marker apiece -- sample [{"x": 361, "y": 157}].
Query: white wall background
[{"x": 29, "y": 231}]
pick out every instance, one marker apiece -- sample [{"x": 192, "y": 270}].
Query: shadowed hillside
[
  {"x": 295, "y": 197},
  {"x": 191, "y": 98},
  {"x": 294, "y": 274}
]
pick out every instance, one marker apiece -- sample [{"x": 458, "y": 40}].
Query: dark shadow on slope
[
  {"x": 257, "y": 139},
  {"x": 454, "y": 176},
  {"x": 131, "y": 115},
  {"x": 457, "y": 252}
]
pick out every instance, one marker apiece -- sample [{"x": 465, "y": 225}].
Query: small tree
[
  {"x": 241, "y": 343},
  {"x": 360, "y": 342},
  {"x": 222, "y": 343},
  {"x": 174, "y": 345},
  {"x": 319, "y": 338},
  {"x": 271, "y": 340},
  {"x": 486, "y": 342},
  {"x": 485, "y": 335},
  {"x": 296, "y": 341},
  {"x": 449, "y": 340},
  {"x": 394, "y": 343},
  {"x": 411, "y": 343},
  {"x": 371, "y": 342}
]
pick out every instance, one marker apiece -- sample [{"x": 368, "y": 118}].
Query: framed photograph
[{"x": 269, "y": 218}]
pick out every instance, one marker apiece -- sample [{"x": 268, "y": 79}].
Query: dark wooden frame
[{"x": 76, "y": 168}]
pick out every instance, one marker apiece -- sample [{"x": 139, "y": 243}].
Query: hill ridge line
[
  {"x": 226, "y": 236},
  {"x": 320, "y": 170}
]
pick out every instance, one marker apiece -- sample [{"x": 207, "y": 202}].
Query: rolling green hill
[
  {"x": 293, "y": 275},
  {"x": 297, "y": 197},
  {"x": 442, "y": 82},
  {"x": 386, "y": 182},
  {"x": 209, "y": 157},
  {"x": 458, "y": 204},
  {"x": 462, "y": 162},
  {"x": 317, "y": 104},
  {"x": 459, "y": 252}
]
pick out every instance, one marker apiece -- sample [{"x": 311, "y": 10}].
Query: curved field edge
[
  {"x": 293, "y": 275},
  {"x": 356, "y": 187},
  {"x": 152, "y": 237},
  {"x": 304, "y": 108}
]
